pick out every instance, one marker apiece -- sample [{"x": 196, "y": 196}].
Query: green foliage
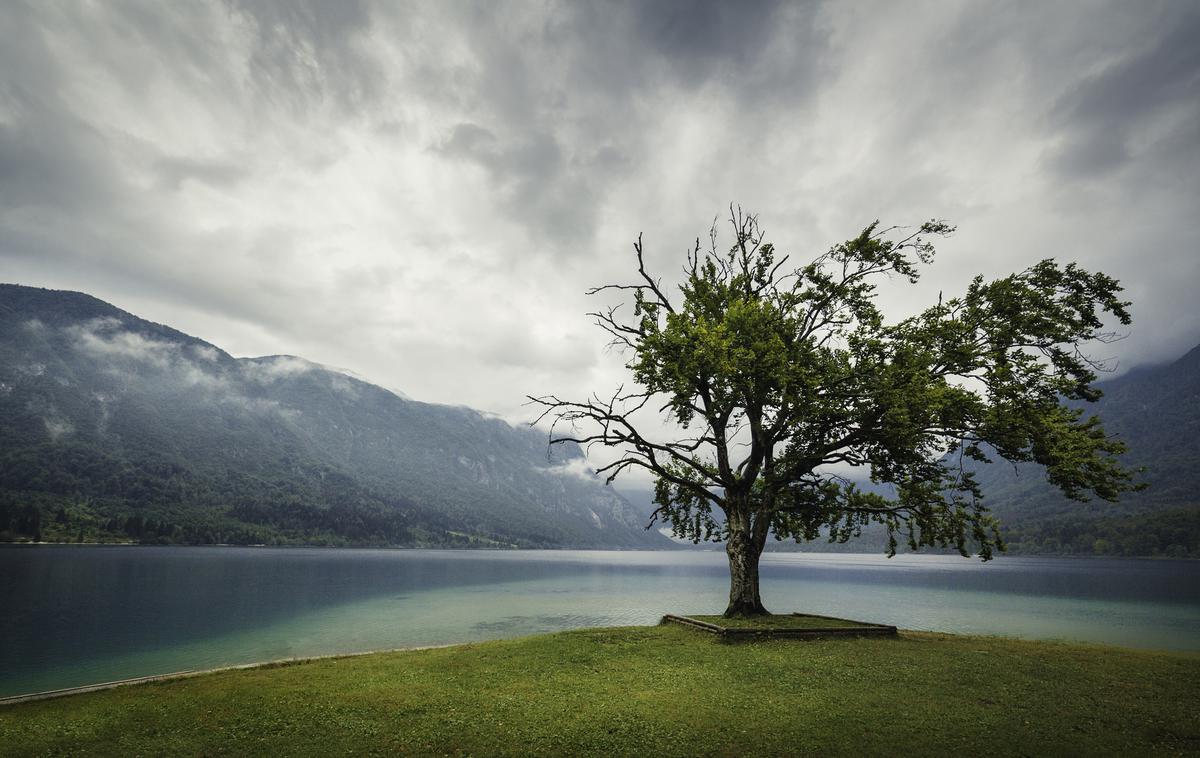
[
  {"x": 778, "y": 374},
  {"x": 660, "y": 691},
  {"x": 1156, "y": 412},
  {"x": 1172, "y": 533}
]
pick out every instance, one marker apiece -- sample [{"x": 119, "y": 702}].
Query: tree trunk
[{"x": 743, "y": 549}]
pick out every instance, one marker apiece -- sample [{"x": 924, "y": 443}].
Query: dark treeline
[
  {"x": 1173, "y": 534},
  {"x": 35, "y": 517},
  {"x": 81, "y": 493}
]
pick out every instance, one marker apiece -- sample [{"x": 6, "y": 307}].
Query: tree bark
[{"x": 743, "y": 549}]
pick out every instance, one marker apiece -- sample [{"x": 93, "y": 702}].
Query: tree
[{"x": 780, "y": 378}]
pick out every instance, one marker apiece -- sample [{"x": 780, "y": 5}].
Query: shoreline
[
  {"x": 679, "y": 549},
  {"x": 192, "y": 673},
  {"x": 663, "y": 690},
  {"x": 82, "y": 689}
]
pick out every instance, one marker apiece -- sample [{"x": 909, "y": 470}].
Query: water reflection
[{"x": 81, "y": 614}]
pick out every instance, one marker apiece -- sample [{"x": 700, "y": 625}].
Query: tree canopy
[{"x": 784, "y": 378}]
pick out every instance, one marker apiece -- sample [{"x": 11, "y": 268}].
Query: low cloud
[
  {"x": 272, "y": 369},
  {"x": 58, "y": 428},
  {"x": 107, "y": 338},
  {"x": 184, "y": 367},
  {"x": 204, "y": 352},
  {"x": 267, "y": 371},
  {"x": 195, "y": 375},
  {"x": 343, "y": 385},
  {"x": 576, "y": 468},
  {"x": 260, "y": 406}
]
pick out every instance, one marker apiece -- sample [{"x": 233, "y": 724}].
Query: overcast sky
[{"x": 421, "y": 192}]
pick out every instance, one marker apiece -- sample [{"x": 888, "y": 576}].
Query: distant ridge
[{"x": 118, "y": 428}]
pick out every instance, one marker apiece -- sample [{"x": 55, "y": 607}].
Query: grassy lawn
[
  {"x": 652, "y": 691},
  {"x": 778, "y": 621}
]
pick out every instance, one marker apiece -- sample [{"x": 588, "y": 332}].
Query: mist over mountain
[{"x": 114, "y": 427}]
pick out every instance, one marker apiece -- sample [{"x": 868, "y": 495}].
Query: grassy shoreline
[{"x": 650, "y": 690}]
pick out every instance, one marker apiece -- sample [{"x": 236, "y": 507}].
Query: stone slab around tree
[{"x": 836, "y": 627}]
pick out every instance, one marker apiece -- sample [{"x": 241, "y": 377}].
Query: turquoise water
[{"x": 79, "y": 615}]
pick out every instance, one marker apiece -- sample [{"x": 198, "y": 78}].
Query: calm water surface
[{"x": 79, "y": 615}]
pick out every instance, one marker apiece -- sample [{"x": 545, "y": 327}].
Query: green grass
[
  {"x": 662, "y": 690},
  {"x": 779, "y": 621}
]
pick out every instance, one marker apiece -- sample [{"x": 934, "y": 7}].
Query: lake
[{"x": 83, "y": 614}]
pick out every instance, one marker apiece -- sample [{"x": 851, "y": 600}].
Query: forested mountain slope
[
  {"x": 113, "y": 427},
  {"x": 1156, "y": 411}
]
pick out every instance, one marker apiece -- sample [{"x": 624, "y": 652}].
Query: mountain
[
  {"x": 114, "y": 427},
  {"x": 1155, "y": 410}
]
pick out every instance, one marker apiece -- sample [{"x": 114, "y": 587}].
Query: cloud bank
[{"x": 422, "y": 191}]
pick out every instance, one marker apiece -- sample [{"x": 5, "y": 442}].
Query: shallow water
[{"x": 82, "y": 614}]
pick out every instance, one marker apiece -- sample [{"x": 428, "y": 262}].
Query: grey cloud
[
  {"x": 173, "y": 172},
  {"x": 469, "y": 141},
  {"x": 696, "y": 36},
  {"x": 49, "y": 158},
  {"x": 557, "y": 106},
  {"x": 206, "y": 353},
  {"x": 1156, "y": 84},
  {"x": 575, "y": 468},
  {"x": 516, "y": 347},
  {"x": 109, "y": 342},
  {"x": 58, "y": 427},
  {"x": 607, "y": 157},
  {"x": 731, "y": 42},
  {"x": 757, "y": 48},
  {"x": 562, "y": 122},
  {"x": 343, "y": 386},
  {"x": 271, "y": 369},
  {"x": 107, "y": 338},
  {"x": 190, "y": 368},
  {"x": 73, "y": 189},
  {"x": 329, "y": 139},
  {"x": 535, "y": 181},
  {"x": 311, "y": 50},
  {"x": 538, "y": 155}
]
